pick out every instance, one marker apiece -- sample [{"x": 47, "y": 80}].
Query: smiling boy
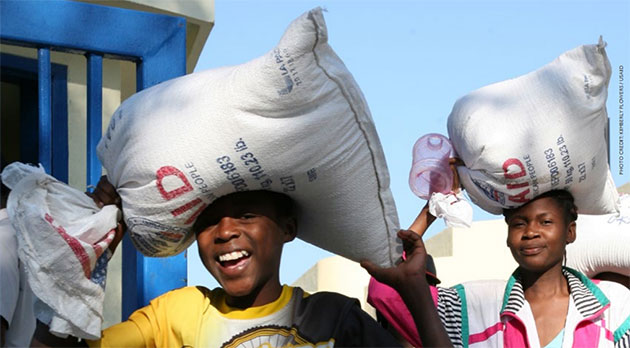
[
  {"x": 240, "y": 238},
  {"x": 240, "y": 242}
]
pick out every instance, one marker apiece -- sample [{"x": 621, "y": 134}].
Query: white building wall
[
  {"x": 479, "y": 252},
  {"x": 338, "y": 274}
]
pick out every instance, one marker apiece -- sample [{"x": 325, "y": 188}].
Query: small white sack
[
  {"x": 293, "y": 121},
  {"x": 538, "y": 132},
  {"x": 61, "y": 235},
  {"x": 602, "y": 243}
]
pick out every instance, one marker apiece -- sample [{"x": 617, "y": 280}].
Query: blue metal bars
[
  {"x": 45, "y": 114},
  {"x": 157, "y": 43},
  {"x": 94, "y": 115}
]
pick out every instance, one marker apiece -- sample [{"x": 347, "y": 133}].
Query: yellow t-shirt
[{"x": 198, "y": 317}]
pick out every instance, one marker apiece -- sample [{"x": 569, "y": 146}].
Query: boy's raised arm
[{"x": 408, "y": 279}]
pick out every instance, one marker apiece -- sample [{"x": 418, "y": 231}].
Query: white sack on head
[
  {"x": 293, "y": 121},
  {"x": 62, "y": 239},
  {"x": 541, "y": 131},
  {"x": 602, "y": 243}
]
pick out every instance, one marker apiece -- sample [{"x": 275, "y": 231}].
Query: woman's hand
[
  {"x": 454, "y": 163},
  {"x": 422, "y": 221}
]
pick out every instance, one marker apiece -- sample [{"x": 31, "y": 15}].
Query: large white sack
[
  {"x": 602, "y": 243},
  {"x": 62, "y": 241},
  {"x": 541, "y": 131},
  {"x": 292, "y": 121}
]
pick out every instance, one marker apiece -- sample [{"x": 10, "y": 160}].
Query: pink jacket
[{"x": 496, "y": 314}]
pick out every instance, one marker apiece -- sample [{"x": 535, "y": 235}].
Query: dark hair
[
  {"x": 563, "y": 198},
  {"x": 284, "y": 205}
]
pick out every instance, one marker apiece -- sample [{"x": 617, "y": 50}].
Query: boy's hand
[
  {"x": 105, "y": 194},
  {"x": 415, "y": 252},
  {"x": 409, "y": 280},
  {"x": 120, "y": 232},
  {"x": 414, "y": 267}
]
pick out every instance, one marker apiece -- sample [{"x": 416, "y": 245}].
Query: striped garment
[{"x": 496, "y": 314}]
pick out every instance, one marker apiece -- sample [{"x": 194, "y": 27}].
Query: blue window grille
[
  {"x": 23, "y": 72},
  {"x": 156, "y": 43}
]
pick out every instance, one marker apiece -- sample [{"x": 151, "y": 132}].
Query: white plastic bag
[
  {"x": 453, "y": 208},
  {"x": 538, "y": 132},
  {"x": 292, "y": 121},
  {"x": 62, "y": 236}
]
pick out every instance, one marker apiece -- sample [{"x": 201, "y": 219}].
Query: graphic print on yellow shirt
[
  {"x": 198, "y": 317},
  {"x": 265, "y": 326},
  {"x": 274, "y": 337}
]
